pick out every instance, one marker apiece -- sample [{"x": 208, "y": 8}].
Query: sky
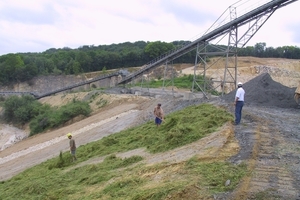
[{"x": 38, "y": 25}]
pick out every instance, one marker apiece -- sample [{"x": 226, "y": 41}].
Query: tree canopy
[{"x": 88, "y": 58}]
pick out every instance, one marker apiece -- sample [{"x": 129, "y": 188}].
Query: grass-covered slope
[{"x": 128, "y": 178}]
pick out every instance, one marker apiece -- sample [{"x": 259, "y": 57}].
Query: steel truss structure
[
  {"x": 230, "y": 53},
  {"x": 247, "y": 25}
]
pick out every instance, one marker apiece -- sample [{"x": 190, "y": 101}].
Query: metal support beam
[
  {"x": 247, "y": 29},
  {"x": 168, "y": 80}
]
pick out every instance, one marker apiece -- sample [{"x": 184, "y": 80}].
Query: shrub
[
  {"x": 54, "y": 118},
  {"x": 21, "y": 109},
  {"x": 41, "y": 117}
]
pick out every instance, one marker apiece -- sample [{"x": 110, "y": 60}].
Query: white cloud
[{"x": 37, "y": 25}]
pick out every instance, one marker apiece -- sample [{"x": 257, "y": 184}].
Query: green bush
[
  {"x": 2, "y": 98},
  {"x": 56, "y": 117},
  {"x": 26, "y": 109},
  {"x": 21, "y": 109}
]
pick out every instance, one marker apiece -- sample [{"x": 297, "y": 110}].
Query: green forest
[{"x": 21, "y": 67}]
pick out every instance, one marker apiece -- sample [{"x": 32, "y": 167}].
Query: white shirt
[{"x": 240, "y": 93}]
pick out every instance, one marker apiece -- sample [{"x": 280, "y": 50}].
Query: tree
[
  {"x": 73, "y": 67},
  {"x": 14, "y": 60},
  {"x": 11, "y": 68},
  {"x": 89, "y": 58},
  {"x": 259, "y": 49},
  {"x": 155, "y": 49},
  {"x": 248, "y": 51},
  {"x": 271, "y": 52},
  {"x": 20, "y": 109},
  {"x": 84, "y": 61},
  {"x": 291, "y": 52},
  {"x": 104, "y": 70}
]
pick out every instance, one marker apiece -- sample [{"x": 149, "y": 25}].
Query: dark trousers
[{"x": 238, "y": 111}]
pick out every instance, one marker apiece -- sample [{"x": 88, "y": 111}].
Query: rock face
[
  {"x": 264, "y": 91},
  {"x": 10, "y": 135},
  {"x": 43, "y": 84}
]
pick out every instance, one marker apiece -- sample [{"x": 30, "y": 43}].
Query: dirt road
[
  {"x": 270, "y": 143},
  {"x": 39, "y": 148}
]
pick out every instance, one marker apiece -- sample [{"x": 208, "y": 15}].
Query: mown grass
[{"x": 128, "y": 178}]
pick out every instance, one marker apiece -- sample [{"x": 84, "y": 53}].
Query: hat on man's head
[
  {"x": 240, "y": 83},
  {"x": 69, "y": 134}
]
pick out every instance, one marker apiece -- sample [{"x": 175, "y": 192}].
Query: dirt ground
[{"x": 267, "y": 139}]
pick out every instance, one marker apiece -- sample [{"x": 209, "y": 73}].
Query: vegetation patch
[
  {"x": 178, "y": 129},
  {"x": 21, "y": 110},
  {"x": 57, "y": 116},
  {"x": 214, "y": 175},
  {"x": 21, "y": 67},
  {"x": 110, "y": 179},
  {"x": 101, "y": 103},
  {"x": 26, "y": 109},
  {"x": 183, "y": 82}
]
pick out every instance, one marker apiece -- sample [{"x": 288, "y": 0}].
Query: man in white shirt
[{"x": 239, "y": 103}]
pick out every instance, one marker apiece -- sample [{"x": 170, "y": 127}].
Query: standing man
[
  {"x": 72, "y": 147},
  {"x": 159, "y": 114},
  {"x": 239, "y": 103}
]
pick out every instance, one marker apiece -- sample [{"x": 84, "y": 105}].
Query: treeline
[
  {"x": 261, "y": 50},
  {"x": 24, "y": 66}
]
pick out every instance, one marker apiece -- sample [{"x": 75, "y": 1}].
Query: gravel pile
[{"x": 264, "y": 91}]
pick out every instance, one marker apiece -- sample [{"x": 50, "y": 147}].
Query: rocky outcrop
[{"x": 44, "y": 84}]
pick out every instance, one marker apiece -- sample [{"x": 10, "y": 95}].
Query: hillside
[{"x": 267, "y": 141}]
